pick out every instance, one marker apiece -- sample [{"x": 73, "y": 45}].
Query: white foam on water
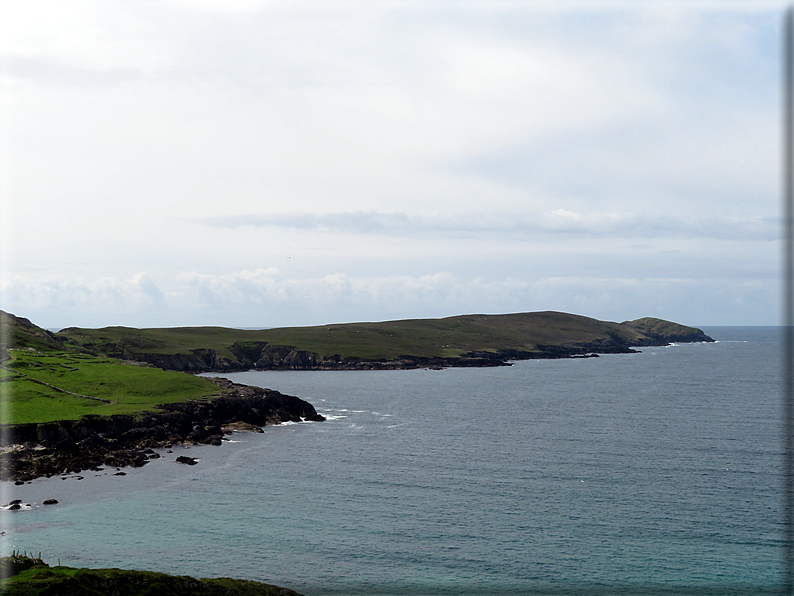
[{"x": 332, "y": 417}]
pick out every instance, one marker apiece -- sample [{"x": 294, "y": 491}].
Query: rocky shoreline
[
  {"x": 287, "y": 358},
  {"x": 96, "y": 442}
]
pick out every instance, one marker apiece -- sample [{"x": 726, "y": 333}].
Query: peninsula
[{"x": 467, "y": 340}]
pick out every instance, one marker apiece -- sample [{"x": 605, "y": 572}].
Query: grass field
[{"x": 128, "y": 387}]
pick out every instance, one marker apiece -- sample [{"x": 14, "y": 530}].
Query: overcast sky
[{"x": 274, "y": 163}]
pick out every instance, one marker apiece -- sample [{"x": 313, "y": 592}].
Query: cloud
[
  {"x": 313, "y": 299},
  {"x": 268, "y": 298},
  {"x": 299, "y": 162},
  {"x": 144, "y": 285},
  {"x": 52, "y": 72},
  {"x": 484, "y": 224},
  {"x": 68, "y": 296}
]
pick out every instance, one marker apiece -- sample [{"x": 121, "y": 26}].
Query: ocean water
[{"x": 644, "y": 473}]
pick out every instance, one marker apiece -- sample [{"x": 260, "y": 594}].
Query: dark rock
[
  {"x": 120, "y": 440},
  {"x": 139, "y": 460},
  {"x": 183, "y": 459},
  {"x": 50, "y": 502}
]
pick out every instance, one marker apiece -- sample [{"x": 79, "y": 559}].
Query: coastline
[
  {"x": 95, "y": 442},
  {"x": 67, "y": 447},
  {"x": 209, "y": 361}
]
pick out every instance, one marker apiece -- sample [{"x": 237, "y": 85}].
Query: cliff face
[
  {"x": 193, "y": 361},
  {"x": 263, "y": 356},
  {"x": 269, "y": 357},
  {"x": 289, "y": 358},
  {"x": 121, "y": 440}
]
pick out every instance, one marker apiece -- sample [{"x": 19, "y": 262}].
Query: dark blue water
[{"x": 644, "y": 471}]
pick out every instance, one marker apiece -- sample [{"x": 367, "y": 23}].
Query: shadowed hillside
[{"x": 18, "y": 332}]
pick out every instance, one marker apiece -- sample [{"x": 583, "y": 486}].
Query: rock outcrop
[{"x": 120, "y": 440}]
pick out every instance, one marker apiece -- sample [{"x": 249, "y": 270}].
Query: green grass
[
  {"x": 168, "y": 340},
  {"x": 128, "y": 387},
  {"x": 448, "y": 337},
  {"x": 40, "y": 580}
]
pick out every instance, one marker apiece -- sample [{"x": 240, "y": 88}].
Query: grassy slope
[
  {"x": 129, "y": 388},
  {"x": 168, "y": 340},
  {"x": 37, "y": 354},
  {"x": 448, "y": 337}
]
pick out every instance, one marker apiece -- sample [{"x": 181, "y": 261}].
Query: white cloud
[
  {"x": 62, "y": 298},
  {"x": 267, "y": 298},
  {"x": 485, "y": 225},
  {"x": 362, "y": 149}
]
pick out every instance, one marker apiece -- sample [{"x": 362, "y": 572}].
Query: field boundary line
[{"x": 51, "y": 386}]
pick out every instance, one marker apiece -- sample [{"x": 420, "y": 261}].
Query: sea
[{"x": 650, "y": 473}]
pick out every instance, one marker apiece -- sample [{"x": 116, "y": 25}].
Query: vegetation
[
  {"x": 425, "y": 338},
  {"x": 26, "y": 576},
  {"x": 41, "y": 380},
  {"x": 658, "y": 327},
  {"x": 64, "y": 376},
  {"x": 50, "y": 386}
]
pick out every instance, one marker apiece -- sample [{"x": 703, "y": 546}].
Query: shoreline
[
  {"x": 95, "y": 442},
  {"x": 49, "y": 449},
  {"x": 309, "y": 361}
]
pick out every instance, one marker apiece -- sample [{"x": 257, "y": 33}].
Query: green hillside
[
  {"x": 50, "y": 386},
  {"x": 41, "y": 380},
  {"x": 540, "y": 334}
]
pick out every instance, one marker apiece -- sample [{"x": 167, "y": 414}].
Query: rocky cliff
[
  {"x": 120, "y": 440},
  {"x": 264, "y": 356}
]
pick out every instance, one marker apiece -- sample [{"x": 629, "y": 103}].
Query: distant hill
[{"x": 466, "y": 340}]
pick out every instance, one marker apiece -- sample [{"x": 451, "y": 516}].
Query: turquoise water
[{"x": 619, "y": 474}]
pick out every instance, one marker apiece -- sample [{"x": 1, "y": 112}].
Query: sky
[{"x": 269, "y": 163}]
